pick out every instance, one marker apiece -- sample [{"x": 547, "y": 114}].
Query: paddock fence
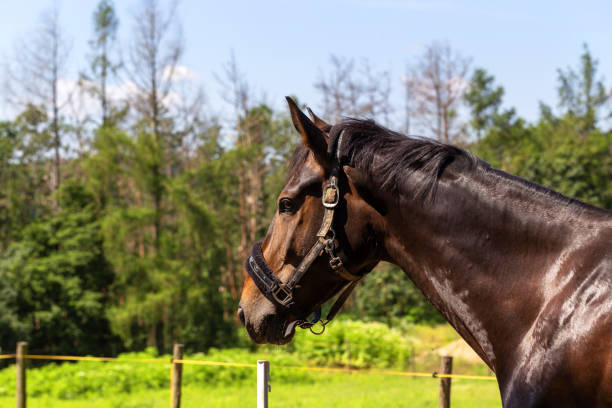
[{"x": 262, "y": 367}]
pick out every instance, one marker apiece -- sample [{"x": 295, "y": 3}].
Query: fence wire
[{"x": 251, "y": 365}]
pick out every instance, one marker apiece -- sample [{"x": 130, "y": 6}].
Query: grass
[
  {"x": 130, "y": 384},
  {"x": 327, "y": 391}
]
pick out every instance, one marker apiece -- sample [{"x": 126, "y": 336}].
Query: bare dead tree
[
  {"x": 238, "y": 95},
  {"x": 34, "y": 77},
  {"x": 354, "y": 90},
  {"x": 190, "y": 122},
  {"x": 251, "y": 130},
  {"x": 436, "y": 84},
  {"x": 337, "y": 88},
  {"x": 376, "y": 93},
  {"x": 235, "y": 89}
]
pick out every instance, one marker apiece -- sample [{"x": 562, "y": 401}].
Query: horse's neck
[{"x": 479, "y": 251}]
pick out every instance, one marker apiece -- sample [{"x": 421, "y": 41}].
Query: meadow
[
  {"x": 349, "y": 344},
  {"x": 327, "y": 391}
]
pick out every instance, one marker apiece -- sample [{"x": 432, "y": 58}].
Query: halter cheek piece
[{"x": 281, "y": 293}]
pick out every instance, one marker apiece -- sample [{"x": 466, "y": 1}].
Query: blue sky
[{"x": 282, "y": 46}]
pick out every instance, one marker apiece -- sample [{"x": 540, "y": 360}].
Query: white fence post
[{"x": 263, "y": 385}]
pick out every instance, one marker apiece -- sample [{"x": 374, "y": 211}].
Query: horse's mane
[
  {"x": 397, "y": 157},
  {"x": 390, "y": 157}
]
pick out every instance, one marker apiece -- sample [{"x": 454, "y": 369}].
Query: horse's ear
[
  {"x": 313, "y": 137},
  {"x": 320, "y": 123}
]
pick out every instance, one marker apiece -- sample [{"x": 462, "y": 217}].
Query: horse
[{"x": 523, "y": 273}]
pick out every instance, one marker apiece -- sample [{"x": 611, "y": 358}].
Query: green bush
[{"x": 355, "y": 344}]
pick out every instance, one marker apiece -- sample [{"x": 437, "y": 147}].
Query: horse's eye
[{"x": 285, "y": 205}]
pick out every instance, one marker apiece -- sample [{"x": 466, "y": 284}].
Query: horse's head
[{"x": 321, "y": 241}]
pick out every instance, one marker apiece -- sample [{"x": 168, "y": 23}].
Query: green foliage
[
  {"x": 348, "y": 343},
  {"x": 111, "y": 156},
  {"x": 581, "y": 92},
  {"x": 54, "y": 281},
  {"x": 24, "y": 190},
  {"x": 556, "y": 152},
  {"x": 503, "y": 141},
  {"x": 163, "y": 276},
  {"x": 89, "y": 379},
  {"x": 577, "y": 165},
  {"x": 565, "y": 152},
  {"x": 388, "y": 295},
  {"x": 483, "y": 100}
]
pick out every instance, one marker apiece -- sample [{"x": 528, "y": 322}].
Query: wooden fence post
[
  {"x": 22, "y": 350},
  {"x": 177, "y": 375},
  {"x": 446, "y": 367},
  {"x": 263, "y": 386}
]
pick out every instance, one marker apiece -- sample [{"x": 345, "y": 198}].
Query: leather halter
[{"x": 281, "y": 293}]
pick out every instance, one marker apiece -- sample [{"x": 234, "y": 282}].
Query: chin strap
[{"x": 340, "y": 300}]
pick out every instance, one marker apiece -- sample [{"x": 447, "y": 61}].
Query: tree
[
  {"x": 24, "y": 187},
  {"x": 580, "y": 167},
  {"x": 568, "y": 153},
  {"x": 237, "y": 94},
  {"x": 34, "y": 77},
  {"x": 436, "y": 85},
  {"x": 483, "y": 99},
  {"x": 108, "y": 168},
  {"x": 354, "y": 90},
  {"x": 246, "y": 177},
  {"x": 252, "y": 124},
  {"x": 154, "y": 54},
  {"x": 13, "y": 185},
  {"x": 103, "y": 69},
  {"x": 54, "y": 282},
  {"x": 581, "y": 92}
]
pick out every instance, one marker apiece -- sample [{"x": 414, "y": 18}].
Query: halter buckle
[
  {"x": 329, "y": 200},
  {"x": 283, "y": 295}
]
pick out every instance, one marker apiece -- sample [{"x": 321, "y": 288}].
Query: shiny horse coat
[{"x": 523, "y": 273}]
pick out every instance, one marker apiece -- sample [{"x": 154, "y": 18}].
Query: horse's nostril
[{"x": 240, "y": 314}]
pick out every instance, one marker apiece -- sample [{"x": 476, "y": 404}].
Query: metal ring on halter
[
  {"x": 323, "y": 323},
  {"x": 330, "y": 243},
  {"x": 332, "y": 236}
]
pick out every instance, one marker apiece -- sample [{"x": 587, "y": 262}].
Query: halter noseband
[{"x": 281, "y": 293}]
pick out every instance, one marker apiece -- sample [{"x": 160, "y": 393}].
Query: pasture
[
  {"x": 325, "y": 391},
  {"x": 131, "y": 383}
]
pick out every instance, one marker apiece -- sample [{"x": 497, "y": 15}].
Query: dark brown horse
[{"x": 524, "y": 274}]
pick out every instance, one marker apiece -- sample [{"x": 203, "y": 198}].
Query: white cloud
[
  {"x": 76, "y": 101},
  {"x": 178, "y": 73},
  {"x": 123, "y": 91}
]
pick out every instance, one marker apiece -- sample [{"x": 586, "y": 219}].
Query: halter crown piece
[{"x": 281, "y": 293}]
